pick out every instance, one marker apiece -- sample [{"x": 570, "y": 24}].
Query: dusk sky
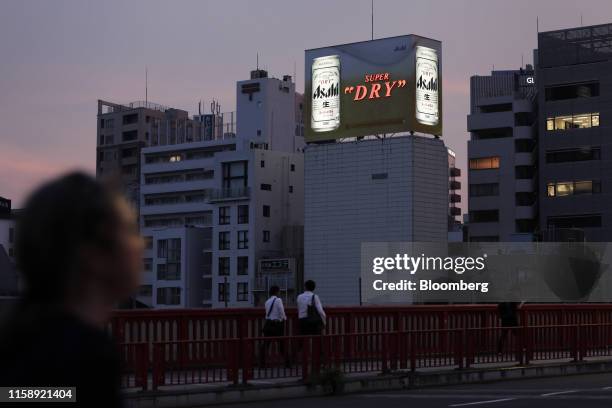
[{"x": 57, "y": 58}]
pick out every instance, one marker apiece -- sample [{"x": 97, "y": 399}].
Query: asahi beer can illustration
[
  {"x": 325, "y": 112},
  {"x": 427, "y": 107}
]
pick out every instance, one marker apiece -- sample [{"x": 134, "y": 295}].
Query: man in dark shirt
[{"x": 79, "y": 252}]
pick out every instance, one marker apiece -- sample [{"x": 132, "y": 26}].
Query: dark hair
[
  {"x": 274, "y": 290},
  {"x": 57, "y": 220},
  {"x": 310, "y": 285}
]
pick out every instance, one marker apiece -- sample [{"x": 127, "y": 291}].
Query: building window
[
  {"x": 126, "y": 153},
  {"x": 484, "y": 216},
  {"x": 224, "y": 240},
  {"x": 170, "y": 271},
  {"x": 224, "y": 266},
  {"x": 147, "y": 264},
  {"x": 242, "y": 292},
  {"x": 262, "y": 164},
  {"x": 572, "y": 91},
  {"x": 292, "y": 167},
  {"x": 575, "y": 221},
  {"x": 168, "y": 296},
  {"x": 243, "y": 239},
  {"x": 524, "y": 172},
  {"x": 573, "y": 155},
  {"x": 223, "y": 294},
  {"x": 560, "y": 189},
  {"x": 129, "y": 136},
  {"x": 484, "y": 190},
  {"x": 243, "y": 214},
  {"x": 130, "y": 119},
  {"x": 266, "y": 211},
  {"x": 242, "y": 267},
  {"x": 580, "y": 121},
  {"x": 266, "y": 187},
  {"x": 162, "y": 248},
  {"x": 224, "y": 215},
  {"x": 11, "y": 235},
  {"x": 235, "y": 175},
  {"x": 266, "y": 236},
  {"x": 484, "y": 163},
  {"x": 290, "y": 189}
]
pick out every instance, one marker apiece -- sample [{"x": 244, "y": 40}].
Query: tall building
[
  {"x": 574, "y": 76},
  {"x": 502, "y": 157},
  {"x": 213, "y": 211},
  {"x": 392, "y": 189},
  {"x": 123, "y": 130}
]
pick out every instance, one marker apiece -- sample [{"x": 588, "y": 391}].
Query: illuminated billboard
[{"x": 374, "y": 87}]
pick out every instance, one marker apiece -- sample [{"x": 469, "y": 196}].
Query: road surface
[{"x": 582, "y": 391}]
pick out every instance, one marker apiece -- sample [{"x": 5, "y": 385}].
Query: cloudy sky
[{"x": 58, "y": 57}]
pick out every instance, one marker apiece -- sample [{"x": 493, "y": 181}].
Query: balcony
[
  {"x": 494, "y": 120},
  {"x": 523, "y": 159},
  {"x": 455, "y": 211},
  {"x": 523, "y": 132},
  {"x": 522, "y": 105},
  {"x": 524, "y": 212},
  {"x": 455, "y": 172},
  {"x": 454, "y": 198},
  {"x": 525, "y": 185},
  {"x": 454, "y": 185},
  {"x": 229, "y": 194}
]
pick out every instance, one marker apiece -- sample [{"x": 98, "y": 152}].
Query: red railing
[{"x": 164, "y": 348}]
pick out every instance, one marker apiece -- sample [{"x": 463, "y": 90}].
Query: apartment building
[
  {"x": 574, "y": 75},
  {"x": 123, "y": 130},
  {"x": 502, "y": 156},
  {"x": 211, "y": 210}
]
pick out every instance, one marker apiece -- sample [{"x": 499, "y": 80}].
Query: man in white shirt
[
  {"x": 274, "y": 325},
  {"x": 310, "y": 311}
]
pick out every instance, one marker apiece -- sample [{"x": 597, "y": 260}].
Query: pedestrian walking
[{"x": 311, "y": 315}]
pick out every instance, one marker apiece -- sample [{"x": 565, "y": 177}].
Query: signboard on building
[{"x": 389, "y": 85}]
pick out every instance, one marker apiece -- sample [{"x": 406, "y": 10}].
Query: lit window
[
  {"x": 566, "y": 188},
  {"x": 484, "y": 163},
  {"x": 579, "y": 121}
]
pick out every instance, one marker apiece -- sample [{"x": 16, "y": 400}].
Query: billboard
[{"x": 389, "y": 85}]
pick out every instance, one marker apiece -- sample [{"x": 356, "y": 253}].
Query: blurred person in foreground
[{"x": 80, "y": 253}]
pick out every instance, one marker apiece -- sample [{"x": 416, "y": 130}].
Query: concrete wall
[{"x": 394, "y": 189}]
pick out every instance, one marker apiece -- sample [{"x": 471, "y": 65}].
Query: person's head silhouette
[{"x": 77, "y": 245}]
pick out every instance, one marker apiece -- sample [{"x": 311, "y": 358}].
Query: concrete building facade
[
  {"x": 211, "y": 210},
  {"x": 574, "y": 75},
  {"x": 390, "y": 189},
  {"x": 502, "y": 157}
]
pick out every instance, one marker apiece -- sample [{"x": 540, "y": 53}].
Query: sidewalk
[{"x": 272, "y": 389}]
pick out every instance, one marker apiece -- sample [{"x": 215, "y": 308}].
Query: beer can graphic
[
  {"x": 325, "y": 97},
  {"x": 427, "y": 101}
]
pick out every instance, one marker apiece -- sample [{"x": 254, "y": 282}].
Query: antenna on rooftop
[
  {"x": 372, "y": 19},
  {"x": 215, "y": 107},
  {"x": 257, "y": 61},
  {"x": 146, "y": 85}
]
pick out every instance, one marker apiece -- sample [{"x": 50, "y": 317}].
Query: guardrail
[
  {"x": 235, "y": 360},
  {"x": 135, "y": 326}
]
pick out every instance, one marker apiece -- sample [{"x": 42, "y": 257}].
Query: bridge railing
[{"x": 310, "y": 358}]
